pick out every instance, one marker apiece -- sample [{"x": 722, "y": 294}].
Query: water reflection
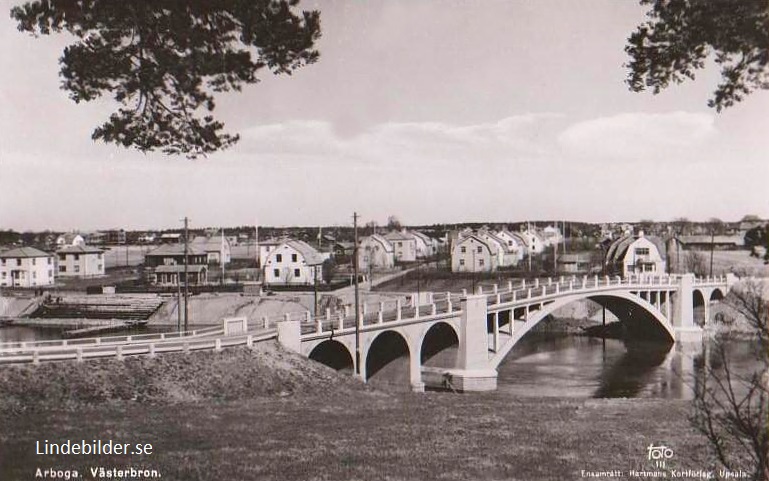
[{"x": 573, "y": 366}]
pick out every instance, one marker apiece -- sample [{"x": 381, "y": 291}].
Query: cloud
[
  {"x": 640, "y": 136},
  {"x": 427, "y": 142}
]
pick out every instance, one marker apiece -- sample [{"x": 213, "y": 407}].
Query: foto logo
[{"x": 659, "y": 454}]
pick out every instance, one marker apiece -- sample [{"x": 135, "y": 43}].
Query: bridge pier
[
  {"x": 473, "y": 372},
  {"x": 683, "y": 311}
]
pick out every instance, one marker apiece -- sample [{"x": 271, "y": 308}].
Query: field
[
  {"x": 738, "y": 262},
  {"x": 271, "y": 415},
  {"x": 132, "y": 255}
]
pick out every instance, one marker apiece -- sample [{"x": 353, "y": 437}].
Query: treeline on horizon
[{"x": 680, "y": 226}]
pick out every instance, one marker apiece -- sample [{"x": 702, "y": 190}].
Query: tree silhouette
[
  {"x": 681, "y": 35},
  {"x": 162, "y": 61}
]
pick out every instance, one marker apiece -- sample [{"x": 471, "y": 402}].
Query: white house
[
  {"x": 293, "y": 262},
  {"x": 516, "y": 245},
  {"x": 216, "y": 247},
  {"x": 472, "y": 253},
  {"x": 498, "y": 247},
  {"x": 170, "y": 238},
  {"x": 26, "y": 267},
  {"x": 375, "y": 251},
  {"x": 404, "y": 246},
  {"x": 79, "y": 261},
  {"x": 70, "y": 239},
  {"x": 636, "y": 255},
  {"x": 535, "y": 244},
  {"x": 265, "y": 247},
  {"x": 551, "y": 235},
  {"x": 425, "y": 245}
]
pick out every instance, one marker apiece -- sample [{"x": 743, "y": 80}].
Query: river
[{"x": 574, "y": 366}]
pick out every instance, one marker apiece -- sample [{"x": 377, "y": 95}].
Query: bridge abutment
[{"x": 290, "y": 335}]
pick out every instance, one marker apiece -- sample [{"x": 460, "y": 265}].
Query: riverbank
[{"x": 269, "y": 414}]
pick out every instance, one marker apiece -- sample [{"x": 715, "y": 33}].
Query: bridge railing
[
  {"x": 425, "y": 305},
  {"x": 107, "y": 340},
  {"x": 70, "y": 352}
]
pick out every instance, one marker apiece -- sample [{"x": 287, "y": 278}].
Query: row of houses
[
  {"x": 32, "y": 267},
  {"x": 486, "y": 251}
]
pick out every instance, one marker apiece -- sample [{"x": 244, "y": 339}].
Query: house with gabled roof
[
  {"x": 26, "y": 267},
  {"x": 425, "y": 245},
  {"x": 516, "y": 243},
  {"x": 375, "y": 252},
  {"x": 535, "y": 243},
  {"x": 404, "y": 246},
  {"x": 473, "y": 253},
  {"x": 70, "y": 239},
  {"x": 636, "y": 254},
  {"x": 292, "y": 263},
  {"x": 164, "y": 265},
  {"x": 79, "y": 261},
  {"x": 217, "y": 248}
]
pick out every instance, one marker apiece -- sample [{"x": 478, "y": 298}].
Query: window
[
  {"x": 276, "y": 272},
  {"x": 34, "y": 274},
  {"x": 62, "y": 268},
  {"x": 480, "y": 262},
  {"x": 34, "y": 261},
  {"x": 50, "y": 273},
  {"x": 400, "y": 244},
  {"x": 62, "y": 257},
  {"x": 293, "y": 257},
  {"x": 2, "y": 262},
  {"x": 98, "y": 256},
  {"x": 77, "y": 257},
  {"x": 278, "y": 257},
  {"x": 463, "y": 249},
  {"x": 98, "y": 267},
  {"x": 77, "y": 268},
  {"x": 480, "y": 249},
  {"x": 297, "y": 273},
  {"x": 642, "y": 251},
  {"x": 50, "y": 259},
  {"x": 461, "y": 262},
  {"x": 18, "y": 262},
  {"x": 3, "y": 275}
]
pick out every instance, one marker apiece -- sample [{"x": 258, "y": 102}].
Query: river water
[{"x": 575, "y": 366}]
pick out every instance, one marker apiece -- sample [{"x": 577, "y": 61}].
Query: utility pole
[
  {"x": 178, "y": 306},
  {"x": 357, "y": 303},
  {"x": 221, "y": 256},
  {"x": 315, "y": 291},
  {"x": 712, "y": 246},
  {"x": 186, "y": 273}
]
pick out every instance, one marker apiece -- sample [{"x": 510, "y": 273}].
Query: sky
[{"x": 432, "y": 111}]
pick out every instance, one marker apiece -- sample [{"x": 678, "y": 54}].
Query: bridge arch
[
  {"x": 388, "y": 354},
  {"x": 333, "y": 354},
  {"x": 717, "y": 294},
  {"x": 615, "y": 301},
  {"x": 435, "y": 342},
  {"x": 698, "y": 298}
]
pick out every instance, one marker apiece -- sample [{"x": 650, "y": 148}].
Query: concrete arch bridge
[{"x": 485, "y": 326}]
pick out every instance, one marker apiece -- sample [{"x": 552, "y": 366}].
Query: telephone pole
[
  {"x": 357, "y": 303},
  {"x": 186, "y": 273}
]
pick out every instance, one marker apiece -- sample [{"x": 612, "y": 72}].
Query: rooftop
[{"x": 23, "y": 252}]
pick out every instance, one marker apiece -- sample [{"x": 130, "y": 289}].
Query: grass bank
[{"x": 271, "y": 415}]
